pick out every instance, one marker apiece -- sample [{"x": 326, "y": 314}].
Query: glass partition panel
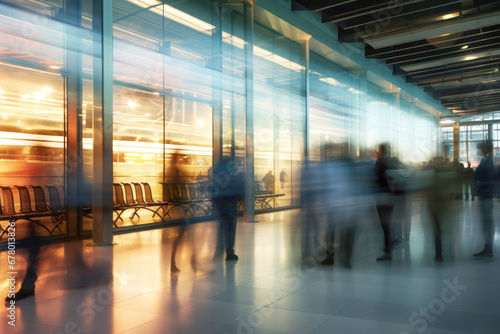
[
  {"x": 326, "y": 125},
  {"x": 32, "y": 106},
  {"x": 279, "y": 104}
]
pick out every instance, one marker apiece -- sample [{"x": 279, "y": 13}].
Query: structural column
[
  {"x": 439, "y": 147},
  {"x": 304, "y": 54},
  {"x": 399, "y": 137},
  {"x": 74, "y": 175},
  {"x": 363, "y": 115},
  {"x": 102, "y": 25},
  {"x": 456, "y": 141},
  {"x": 216, "y": 65},
  {"x": 249, "y": 129}
]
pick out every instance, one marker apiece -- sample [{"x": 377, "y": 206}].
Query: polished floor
[{"x": 272, "y": 288}]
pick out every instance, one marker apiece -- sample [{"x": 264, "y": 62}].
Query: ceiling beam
[
  {"x": 466, "y": 90},
  {"x": 422, "y": 79},
  {"x": 448, "y": 41},
  {"x": 368, "y": 10},
  {"x": 394, "y": 34},
  {"x": 317, "y": 5},
  {"x": 440, "y": 55},
  {"x": 406, "y": 10}
]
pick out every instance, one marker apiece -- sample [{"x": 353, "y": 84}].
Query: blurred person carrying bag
[{"x": 405, "y": 179}]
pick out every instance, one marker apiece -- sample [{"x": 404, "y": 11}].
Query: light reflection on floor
[{"x": 266, "y": 291}]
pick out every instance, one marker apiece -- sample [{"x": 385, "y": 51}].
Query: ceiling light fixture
[
  {"x": 464, "y": 47},
  {"x": 449, "y": 16},
  {"x": 470, "y": 58}
]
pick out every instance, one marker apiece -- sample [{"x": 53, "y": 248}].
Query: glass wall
[
  {"x": 32, "y": 110},
  {"x": 162, "y": 95},
  {"x": 447, "y": 142},
  {"x": 279, "y": 103},
  {"x": 334, "y": 108},
  {"x": 179, "y": 104},
  {"x": 470, "y": 137},
  {"x": 473, "y": 130},
  {"x": 409, "y": 130}
]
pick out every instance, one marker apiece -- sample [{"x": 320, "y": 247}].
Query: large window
[
  {"x": 162, "y": 96},
  {"x": 32, "y": 108},
  {"x": 470, "y": 137},
  {"x": 279, "y": 103}
]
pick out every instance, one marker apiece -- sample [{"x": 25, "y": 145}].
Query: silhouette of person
[
  {"x": 469, "y": 181},
  {"x": 268, "y": 180},
  {"x": 385, "y": 205},
  {"x": 174, "y": 172},
  {"x": 485, "y": 189},
  {"x": 438, "y": 200},
  {"x": 282, "y": 178},
  {"x": 338, "y": 195},
  {"x": 228, "y": 189}
]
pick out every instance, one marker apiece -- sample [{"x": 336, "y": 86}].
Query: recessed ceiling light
[
  {"x": 470, "y": 58},
  {"x": 449, "y": 16},
  {"x": 464, "y": 47}
]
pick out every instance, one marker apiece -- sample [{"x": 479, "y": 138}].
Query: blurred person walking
[
  {"x": 28, "y": 285},
  {"x": 312, "y": 187},
  {"x": 174, "y": 173},
  {"x": 484, "y": 178},
  {"x": 283, "y": 178},
  {"x": 268, "y": 181},
  {"x": 469, "y": 181},
  {"x": 385, "y": 199},
  {"x": 228, "y": 189},
  {"x": 339, "y": 202},
  {"x": 438, "y": 196}
]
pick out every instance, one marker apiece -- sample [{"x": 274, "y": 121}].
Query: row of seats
[
  {"x": 123, "y": 199},
  {"x": 138, "y": 196},
  {"x": 192, "y": 197},
  {"x": 54, "y": 209}
]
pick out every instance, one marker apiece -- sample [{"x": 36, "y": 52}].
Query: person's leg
[
  {"x": 309, "y": 232},
  {"x": 219, "y": 205},
  {"x": 384, "y": 213},
  {"x": 435, "y": 212},
  {"x": 329, "y": 246},
  {"x": 231, "y": 227},
  {"x": 348, "y": 242},
  {"x": 31, "y": 273},
  {"x": 408, "y": 207},
  {"x": 175, "y": 245},
  {"x": 487, "y": 219},
  {"x": 28, "y": 285},
  {"x": 437, "y": 237}
]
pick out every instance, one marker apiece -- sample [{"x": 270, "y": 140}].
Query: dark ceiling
[{"x": 451, "y": 48}]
